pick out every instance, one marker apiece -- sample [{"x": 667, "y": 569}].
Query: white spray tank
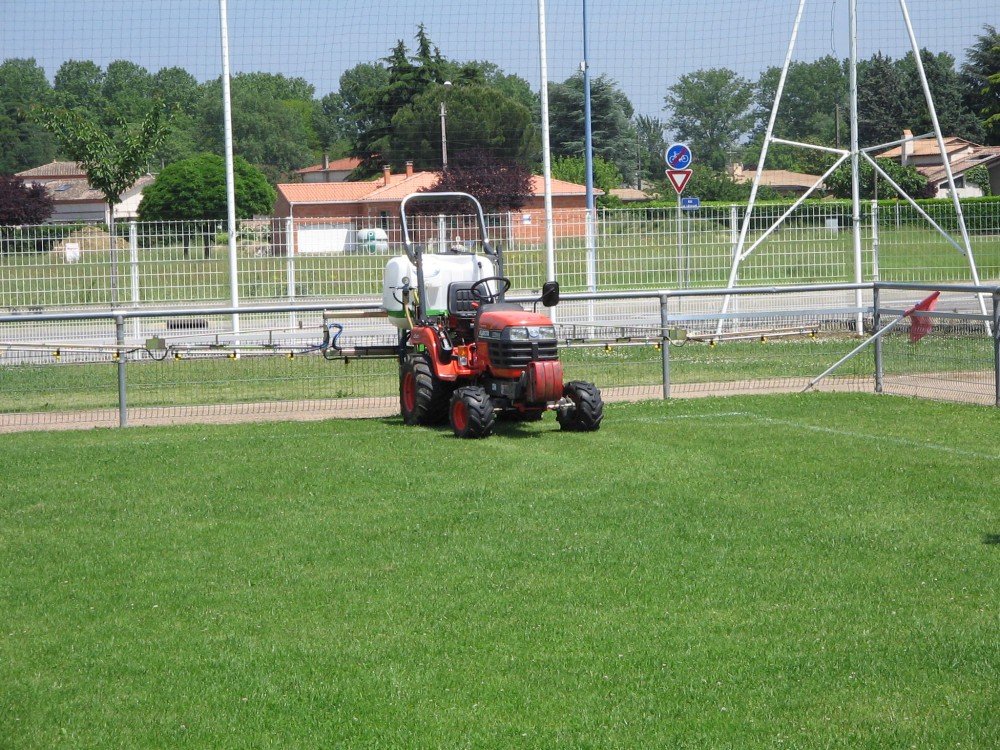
[{"x": 400, "y": 280}]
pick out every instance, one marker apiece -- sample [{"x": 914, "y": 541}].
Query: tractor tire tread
[
  {"x": 431, "y": 396},
  {"x": 479, "y": 419},
  {"x": 587, "y": 411}
]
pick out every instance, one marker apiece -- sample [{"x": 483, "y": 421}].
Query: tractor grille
[{"x": 515, "y": 355}]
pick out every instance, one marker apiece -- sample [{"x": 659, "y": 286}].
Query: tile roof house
[
  {"x": 781, "y": 180},
  {"x": 74, "y": 199},
  {"x": 924, "y": 154},
  {"x": 337, "y": 170},
  {"x": 331, "y": 212}
]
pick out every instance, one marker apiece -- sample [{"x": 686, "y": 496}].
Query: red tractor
[{"x": 467, "y": 356}]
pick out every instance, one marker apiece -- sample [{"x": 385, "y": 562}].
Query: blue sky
[{"x": 644, "y": 45}]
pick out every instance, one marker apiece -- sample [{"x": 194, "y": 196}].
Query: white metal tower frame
[{"x": 741, "y": 252}]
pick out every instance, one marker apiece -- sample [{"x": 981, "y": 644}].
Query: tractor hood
[{"x": 497, "y": 320}]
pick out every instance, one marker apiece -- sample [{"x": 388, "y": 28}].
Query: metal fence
[
  {"x": 290, "y": 260},
  {"x": 293, "y": 361}
]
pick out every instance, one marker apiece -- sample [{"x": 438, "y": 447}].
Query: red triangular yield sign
[{"x": 679, "y": 178}]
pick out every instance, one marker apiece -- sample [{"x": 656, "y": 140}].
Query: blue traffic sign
[
  {"x": 690, "y": 204},
  {"x": 679, "y": 156}
]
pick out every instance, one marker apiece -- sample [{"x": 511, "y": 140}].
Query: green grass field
[{"x": 816, "y": 571}]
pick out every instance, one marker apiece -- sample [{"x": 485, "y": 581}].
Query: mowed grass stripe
[
  {"x": 860, "y": 437},
  {"x": 673, "y": 580}
]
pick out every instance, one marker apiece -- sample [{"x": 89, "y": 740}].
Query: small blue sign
[
  {"x": 678, "y": 156},
  {"x": 690, "y": 204}
]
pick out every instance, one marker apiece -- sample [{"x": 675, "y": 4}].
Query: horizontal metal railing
[{"x": 601, "y": 321}]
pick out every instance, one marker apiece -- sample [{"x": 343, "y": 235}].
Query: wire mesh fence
[
  {"x": 954, "y": 361},
  {"x": 157, "y": 263},
  {"x": 295, "y": 363}
]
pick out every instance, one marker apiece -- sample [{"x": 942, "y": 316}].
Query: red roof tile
[
  {"x": 398, "y": 188},
  {"x": 347, "y": 164},
  {"x": 55, "y": 169}
]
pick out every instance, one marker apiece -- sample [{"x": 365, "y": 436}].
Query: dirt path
[{"x": 971, "y": 388}]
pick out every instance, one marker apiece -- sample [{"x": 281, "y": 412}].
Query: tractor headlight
[{"x": 531, "y": 333}]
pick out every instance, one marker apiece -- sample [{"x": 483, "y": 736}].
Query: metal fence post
[
  {"x": 133, "y": 241},
  {"x": 665, "y": 342},
  {"x": 120, "y": 356},
  {"x": 290, "y": 281},
  {"x": 877, "y": 323},
  {"x": 875, "y": 248},
  {"x": 996, "y": 347}
]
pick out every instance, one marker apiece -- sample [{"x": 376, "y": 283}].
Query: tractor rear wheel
[
  {"x": 423, "y": 398},
  {"x": 581, "y": 408},
  {"x": 471, "y": 412}
]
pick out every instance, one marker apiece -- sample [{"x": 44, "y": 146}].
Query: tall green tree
[
  {"x": 272, "y": 120},
  {"x": 180, "y": 93},
  {"x": 23, "y": 143},
  {"x": 514, "y": 87},
  {"x": 814, "y": 95},
  {"x": 195, "y": 190},
  {"x": 948, "y": 93},
  {"x": 355, "y": 107},
  {"x": 881, "y": 107},
  {"x": 126, "y": 91},
  {"x": 80, "y": 84},
  {"x": 612, "y": 131},
  {"x": 113, "y": 162},
  {"x": 332, "y": 125},
  {"x": 391, "y": 109},
  {"x": 574, "y": 169},
  {"x": 981, "y": 77},
  {"x": 651, "y": 149},
  {"x": 176, "y": 88},
  {"x": 407, "y": 78},
  {"x": 872, "y": 184},
  {"x": 478, "y": 118},
  {"x": 710, "y": 110}
]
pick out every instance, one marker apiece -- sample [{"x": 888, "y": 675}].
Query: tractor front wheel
[
  {"x": 471, "y": 412},
  {"x": 581, "y": 408},
  {"x": 423, "y": 399}
]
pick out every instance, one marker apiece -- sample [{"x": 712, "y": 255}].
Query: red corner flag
[{"x": 921, "y": 326}]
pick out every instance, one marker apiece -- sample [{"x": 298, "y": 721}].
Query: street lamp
[{"x": 444, "y": 130}]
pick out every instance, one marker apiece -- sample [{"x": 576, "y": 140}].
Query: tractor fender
[{"x": 445, "y": 367}]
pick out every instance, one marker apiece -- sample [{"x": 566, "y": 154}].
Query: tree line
[{"x": 389, "y": 111}]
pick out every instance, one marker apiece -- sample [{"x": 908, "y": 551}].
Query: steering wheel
[{"x": 481, "y": 292}]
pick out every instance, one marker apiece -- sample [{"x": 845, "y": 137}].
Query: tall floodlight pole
[
  {"x": 550, "y": 260},
  {"x": 588, "y": 158},
  {"x": 855, "y": 158},
  {"x": 444, "y": 136},
  {"x": 227, "y": 117}
]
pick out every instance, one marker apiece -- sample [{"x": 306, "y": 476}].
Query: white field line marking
[{"x": 903, "y": 442}]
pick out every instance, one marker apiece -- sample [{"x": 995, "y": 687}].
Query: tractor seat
[
  {"x": 461, "y": 299},
  {"x": 463, "y": 305}
]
